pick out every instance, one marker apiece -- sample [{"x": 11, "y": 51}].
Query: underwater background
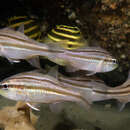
[{"x": 104, "y": 22}]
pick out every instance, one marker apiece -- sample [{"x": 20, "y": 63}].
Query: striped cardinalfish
[
  {"x": 120, "y": 93},
  {"x": 35, "y": 87},
  {"x": 93, "y": 59},
  {"x": 14, "y": 46},
  {"x": 31, "y": 26},
  {"x": 68, "y": 37},
  {"x": 84, "y": 84}
]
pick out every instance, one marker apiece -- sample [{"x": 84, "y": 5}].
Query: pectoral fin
[
  {"x": 99, "y": 66},
  {"x": 35, "y": 62},
  {"x": 98, "y": 69}
]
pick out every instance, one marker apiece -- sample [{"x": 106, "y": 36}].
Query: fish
[
  {"x": 31, "y": 26},
  {"x": 91, "y": 59},
  {"x": 16, "y": 46},
  {"x": 121, "y": 93},
  {"x": 84, "y": 84},
  {"x": 68, "y": 37},
  {"x": 36, "y": 87},
  {"x": 97, "y": 90}
]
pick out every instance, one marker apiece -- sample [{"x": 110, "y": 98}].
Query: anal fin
[{"x": 32, "y": 106}]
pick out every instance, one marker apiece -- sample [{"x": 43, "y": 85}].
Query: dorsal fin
[{"x": 21, "y": 28}]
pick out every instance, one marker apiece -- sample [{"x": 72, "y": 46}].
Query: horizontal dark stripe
[
  {"x": 114, "y": 92},
  {"x": 92, "y": 50},
  {"x": 90, "y": 57},
  {"x": 73, "y": 83},
  {"x": 87, "y": 79}
]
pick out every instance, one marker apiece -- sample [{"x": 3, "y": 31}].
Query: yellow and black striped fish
[
  {"x": 67, "y": 36},
  {"x": 31, "y": 26}
]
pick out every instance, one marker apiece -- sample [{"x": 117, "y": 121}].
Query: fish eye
[
  {"x": 114, "y": 61},
  {"x": 5, "y": 86}
]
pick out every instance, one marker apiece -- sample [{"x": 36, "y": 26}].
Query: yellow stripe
[
  {"x": 68, "y": 28},
  {"x": 30, "y": 29},
  {"x": 65, "y": 44},
  {"x": 16, "y": 17},
  {"x": 18, "y": 24},
  {"x": 75, "y": 43},
  {"x": 66, "y": 35},
  {"x": 54, "y": 38},
  {"x": 35, "y": 35},
  {"x": 68, "y": 42}
]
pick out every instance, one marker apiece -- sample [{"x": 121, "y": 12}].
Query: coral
[{"x": 17, "y": 117}]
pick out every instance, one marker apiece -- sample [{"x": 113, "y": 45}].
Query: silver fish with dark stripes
[
  {"x": 93, "y": 59},
  {"x": 14, "y": 46},
  {"x": 36, "y": 87},
  {"x": 84, "y": 84},
  {"x": 120, "y": 93}
]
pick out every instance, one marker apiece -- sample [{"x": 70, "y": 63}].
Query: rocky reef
[{"x": 107, "y": 21}]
